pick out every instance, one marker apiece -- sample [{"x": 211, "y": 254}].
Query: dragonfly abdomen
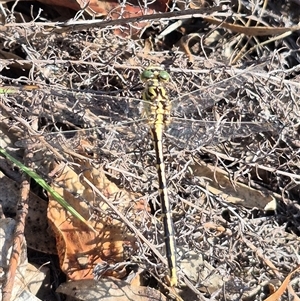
[{"x": 169, "y": 233}]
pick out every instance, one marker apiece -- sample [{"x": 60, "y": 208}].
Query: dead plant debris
[{"x": 70, "y": 96}]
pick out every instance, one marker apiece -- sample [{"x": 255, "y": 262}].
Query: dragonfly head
[{"x": 155, "y": 73}]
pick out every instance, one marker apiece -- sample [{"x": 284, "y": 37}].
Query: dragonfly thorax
[{"x": 157, "y": 105}]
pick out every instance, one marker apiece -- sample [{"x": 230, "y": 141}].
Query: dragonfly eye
[
  {"x": 164, "y": 75},
  {"x": 147, "y": 74}
]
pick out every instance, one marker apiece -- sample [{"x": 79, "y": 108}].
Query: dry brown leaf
[
  {"x": 114, "y": 10},
  {"x": 239, "y": 194},
  {"x": 36, "y": 230},
  {"x": 282, "y": 288},
  {"x": 79, "y": 248},
  {"x": 214, "y": 226},
  {"x": 131, "y": 9},
  {"x": 109, "y": 290},
  {"x": 251, "y": 30}
]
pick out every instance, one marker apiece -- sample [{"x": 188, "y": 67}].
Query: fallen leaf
[
  {"x": 109, "y": 290},
  {"x": 80, "y": 248},
  {"x": 113, "y": 10},
  {"x": 282, "y": 288},
  {"x": 239, "y": 194}
]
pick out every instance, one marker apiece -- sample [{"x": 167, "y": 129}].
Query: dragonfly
[
  {"x": 158, "y": 109},
  {"x": 179, "y": 121}
]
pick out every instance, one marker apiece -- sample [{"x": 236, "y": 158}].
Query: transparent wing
[
  {"x": 205, "y": 115},
  {"x": 205, "y": 97},
  {"x": 211, "y": 115},
  {"x": 192, "y": 134}
]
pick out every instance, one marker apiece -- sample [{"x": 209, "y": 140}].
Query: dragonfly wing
[
  {"x": 192, "y": 134},
  {"x": 124, "y": 137},
  {"x": 202, "y": 98}
]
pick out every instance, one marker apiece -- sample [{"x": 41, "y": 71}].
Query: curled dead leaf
[{"x": 79, "y": 248}]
